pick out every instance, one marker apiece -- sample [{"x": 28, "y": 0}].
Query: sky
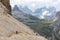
[
  {"x": 34, "y": 4},
  {"x": 45, "y": 13}
]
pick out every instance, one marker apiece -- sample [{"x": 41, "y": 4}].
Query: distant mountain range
[
  {"x": 38, "y": 12},
  {"x": 16, "y": 8},
  {"x": 23, "y": 17},
  {"x": 32, "y": 21},
  {"x": 25, "y": 9}
]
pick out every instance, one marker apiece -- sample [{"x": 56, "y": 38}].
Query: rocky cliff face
[
  {"x": 57, "y": 31},
  {"x": 56, "y": 27},
  {"x": 6, "y": 3},
  {"x": 11, "y": 29}
]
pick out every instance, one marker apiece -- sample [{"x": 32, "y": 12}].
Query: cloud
[
  {"x": 33, "y": 4},
  {"x": 45, "y": 13}
]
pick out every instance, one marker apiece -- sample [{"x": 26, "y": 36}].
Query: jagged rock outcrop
[
  {"x": 56, "y": 28},
  {"x": 6, "y": 3},
  {"x": 11, "y": 29}
]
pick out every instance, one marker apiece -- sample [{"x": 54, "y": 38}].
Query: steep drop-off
[
  {"x": 11, "y": 29},
  {"x": 6, "y": 3}
]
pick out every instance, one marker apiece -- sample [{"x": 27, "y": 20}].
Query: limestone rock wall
[
  {"x": 11, "y": 29},
  {"x": 6, "y": 3}
]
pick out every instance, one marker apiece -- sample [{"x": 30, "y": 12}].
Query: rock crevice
[{"x": 6, "y": 3}]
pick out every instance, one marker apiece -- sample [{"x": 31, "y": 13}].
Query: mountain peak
[
  {"x": 16, "y": 8},
  {"x": 11, "y": 29}
]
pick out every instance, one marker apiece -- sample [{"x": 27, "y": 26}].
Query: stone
[
  {"x": 11, "y": 29},
  {"x": 6, "y": 3}
]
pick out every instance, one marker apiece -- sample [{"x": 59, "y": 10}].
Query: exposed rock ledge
[
  {"x": 11, "y": 29},
  {"x": 6, "y": 3}
]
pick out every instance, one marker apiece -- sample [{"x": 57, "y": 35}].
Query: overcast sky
[{"x": 32, "y": 4}]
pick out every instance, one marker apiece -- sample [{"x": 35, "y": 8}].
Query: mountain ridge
[{"x": 11, "y": 29}]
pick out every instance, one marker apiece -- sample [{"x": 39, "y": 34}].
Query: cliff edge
[{"x": 11, "y": 29}]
